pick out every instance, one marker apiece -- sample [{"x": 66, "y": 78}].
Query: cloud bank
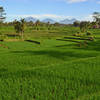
[
  {"x": 41, "y": 16},
  {"x": 52, "y": 16}
]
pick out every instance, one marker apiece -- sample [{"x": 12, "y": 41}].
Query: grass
[
  {"x": 43, "y": 32},
  {"x": 54, "y": 70}
]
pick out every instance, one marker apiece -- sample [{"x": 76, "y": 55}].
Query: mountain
[
  {"x": 65, "y": 21},
  {"x": 68, "y": 21},
  {"x": 28, "y": 19},
  {"x": 48, "y": 20}
]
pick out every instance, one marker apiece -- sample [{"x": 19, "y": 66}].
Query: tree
[
  {"x": 37, "y": 23},
  {"x": 56, "y": 24},
  {"x": 84, "y": 26},
  {"x": 19, "y": 27},
  {"x": 76, "y": 23},
  {"x": 22, "y": 22},
  {"x": 96, "y": 16},
  {"x": 94, "y": 25},
  {"x": 2, "y": 14},
  {"x": 48, "y": 25}
]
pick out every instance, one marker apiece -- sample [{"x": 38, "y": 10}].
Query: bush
[
  {"x": 0, "y": 33},
  {"x": 77, "y": 34},
  {"x": 88, "y": 33},
  {"x": 91, "y": 38}
]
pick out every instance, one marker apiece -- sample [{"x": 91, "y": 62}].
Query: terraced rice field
[{"x": 54, "y": 70}]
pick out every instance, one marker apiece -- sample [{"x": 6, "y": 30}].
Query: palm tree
[
  {"x": 84, "y": 26},
  {"x": 22, "y": 26},
  {"x": 37, "y": 23},
  {"x": 19, "y": 27},
  {"x": 96, "y": 16},
  {"x": 76, "y": 23},
  {"x": 48, "y": 25}
]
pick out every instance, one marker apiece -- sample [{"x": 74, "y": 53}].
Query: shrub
[{"x": 88, "y": 33}]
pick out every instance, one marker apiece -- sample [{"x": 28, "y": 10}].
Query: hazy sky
[{"x": 57, "y": 9}]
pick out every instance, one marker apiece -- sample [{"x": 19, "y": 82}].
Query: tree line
[{"x": 85, "y": 25}]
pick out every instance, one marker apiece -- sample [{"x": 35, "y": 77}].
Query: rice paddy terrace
[{"x": 53, "y": 70}]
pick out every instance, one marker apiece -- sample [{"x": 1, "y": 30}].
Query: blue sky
[{"x": 57, "y": 9}]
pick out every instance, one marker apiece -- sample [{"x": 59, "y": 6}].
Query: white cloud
[
  {"x": 78, "y": 1},
  {"x": 40, "y": 16},
  {"x": 75, "y": 1},
  {"x": 52, "y": 16},
  {"x": 88, "y": 18}
]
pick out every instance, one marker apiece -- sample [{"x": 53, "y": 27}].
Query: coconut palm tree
[
  {"x": 96, "y": 16},
  {"x": 37, "y": 23},
  {"x": 22, "y": 27},
  {"x": 84, "y": 26},
  {"x": 19, "y": 27},
  {"x": 76, "y": 23}
]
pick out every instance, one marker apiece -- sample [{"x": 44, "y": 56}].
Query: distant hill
[
  {"x": 68, "y": 21},
  {"x": 28, "y": 19},
  {"x": 48, "y": 20},
  {"x": 65, "y": 21}
]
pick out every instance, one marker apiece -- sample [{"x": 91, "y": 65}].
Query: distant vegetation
[{"x": 40, "y": 29}]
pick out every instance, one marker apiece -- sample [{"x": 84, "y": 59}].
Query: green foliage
[
  {"x": 96, "y": 16},
  {"x": 2, "y": 14},
  {"x": 43, "y": 32},
  {"x": 84, "y": 26},
  {"x": 76, "y": 24},
  {"x": 19, "y": 26}
]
